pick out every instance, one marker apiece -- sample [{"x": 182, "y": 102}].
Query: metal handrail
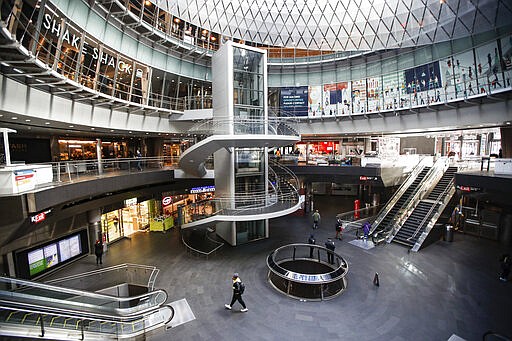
[
  {"x": 154, "y": 271},
  {"x": 433, "y": 174},
  {"x": 398, "y": 194},
  {"x": 335, "y": 275},
  {"x": 271, "y": 126},
  {"x": 437, "y": 201},
  {"x": 151, "y": 299}
]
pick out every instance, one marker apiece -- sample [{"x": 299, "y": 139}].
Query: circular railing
[{"x": 307, "y": 272}]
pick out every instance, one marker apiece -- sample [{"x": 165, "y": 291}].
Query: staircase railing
[{"x": 248, "y": 203}]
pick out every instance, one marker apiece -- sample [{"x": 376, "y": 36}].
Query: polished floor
[{"x": 444, "y": 290}]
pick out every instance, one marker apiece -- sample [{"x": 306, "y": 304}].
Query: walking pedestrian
[
  {"x": 238, "y": 290},
  {"x": 316, "y": 219},
  {"x": 98, "y": 251},
  {"x": 329, "y": 244},
  {"x": 366, "y": 231},
  {"x": 138, "y": 155},
  {"x": 311, "y": 241},
  {"x": 339, "y": 229}
]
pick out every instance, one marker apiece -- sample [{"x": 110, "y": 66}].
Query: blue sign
[
  {"x": 202, "y": 189},
  {"x": 294, "y": 101}
]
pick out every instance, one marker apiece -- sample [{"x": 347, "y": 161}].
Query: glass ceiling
[{"x": 343, "y": 25}]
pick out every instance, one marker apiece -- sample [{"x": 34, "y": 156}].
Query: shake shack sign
[{"x": 74, "y": 41}]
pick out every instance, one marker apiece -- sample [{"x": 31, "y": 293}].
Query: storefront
[
  {"x": 125, "y": 221},
  {"x": 78, "y": 149}
]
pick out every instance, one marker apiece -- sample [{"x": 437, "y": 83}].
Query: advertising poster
[
  {"x": 422, "y": 81},
  {"x": 391, "y": 89},
  {"x": 294, "y": 101},
  {"x": 51, "y": 255},
  {"x": 373, "y": 94},
  {"x": 464, "y": 74},
  {"x": 36, "y": 261},
  {"x": 359, "y": 96},
  {"x": 64, "y": 250},
  {"x": 447, "y": 77},
  {"x": 488, "y": 67},
  {"x": 405, "y": 98},
  {"x": 506, "y": 58},
  {"x": 330, "y": 100},
  {"x": 24, "y": 180},
  {"x": 315, "y": 101},
  {"x": 344, "y": 98}
]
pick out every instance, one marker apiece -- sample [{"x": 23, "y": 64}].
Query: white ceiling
[{"x": 343, "y": 25}]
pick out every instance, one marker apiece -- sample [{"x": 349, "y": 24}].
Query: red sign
[
  {"x": 39, "y": 217},
  {"x": 166, "y": 201}
]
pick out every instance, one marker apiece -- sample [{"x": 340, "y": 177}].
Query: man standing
[
  {"x": 98, "y": 251},
  {"x": 316, "y": 219},
  {"x": 238, "y": 290},
  {"x": 329, "y": 244},
  {"x": 311, "y": 241}
]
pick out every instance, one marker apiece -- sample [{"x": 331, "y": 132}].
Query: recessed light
[
  {"x": 27, "y": 120},
  {"x": 508, "y": 122},
  {"x": 111, "y": 130},
  {"x": 92, "y": 128},
  {"x": 129, "y": 132},
  {"x": 46, "y": 122},
  {"x": 14, "y": 118},
  {"x": 147, "y": 133},
  {"x": 71, "y": 126}
]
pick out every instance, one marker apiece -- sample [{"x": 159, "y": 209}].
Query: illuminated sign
[
  {"x": 166, "y": 201},
  {"x": 130, "y": 202},
  {"x": 368, "y": 178},
  {"x": 40, "y": 217},
  {"x": 202, "y": 189},
  {"x": 468, "y": 188}
]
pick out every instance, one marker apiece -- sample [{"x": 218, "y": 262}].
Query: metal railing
[
  {"x": 275, "y": 125},
  {"x": 398, "y": 194},
  {"x": 42, "y": 309},
  {"x": 133, "y": 274}
]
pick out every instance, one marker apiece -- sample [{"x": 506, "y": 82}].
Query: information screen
[{"x": 49, "y": 255}]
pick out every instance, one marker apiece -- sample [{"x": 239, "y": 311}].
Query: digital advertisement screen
[
  {"x": 294, "y": 100},
  {"x": 36, "y": 261}
]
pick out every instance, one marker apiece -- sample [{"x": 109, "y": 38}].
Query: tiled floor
[{"x": 445, "y": 289}]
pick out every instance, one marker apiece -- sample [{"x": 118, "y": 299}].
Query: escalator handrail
[{"x": 82, "y": 293}]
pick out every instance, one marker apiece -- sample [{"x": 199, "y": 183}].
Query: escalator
[
  {"x": 388, "y": 220},
  {"x": 37, "y": 310},
  {"x": 419, "y": 223}
]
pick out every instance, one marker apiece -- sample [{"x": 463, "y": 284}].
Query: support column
[
  {"x": 98, "y": 156},
  {"x": 94, "y": 228}
]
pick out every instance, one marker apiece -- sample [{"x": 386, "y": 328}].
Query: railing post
[{"x": 42, "y": 325}]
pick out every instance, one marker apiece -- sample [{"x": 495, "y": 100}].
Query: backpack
[{"x": 241, "y": 287}]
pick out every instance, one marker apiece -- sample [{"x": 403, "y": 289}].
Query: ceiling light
[
  {"x": 92, "y": 128},
  {"x": 27, "y": 120},
  {"x": 14, "y": 118},
  {"x": 71, "y": 126},
  {"x": 111, "y": 130},
  {"x": 147, "y": 3},
  {"x": 46, "y": 123}
]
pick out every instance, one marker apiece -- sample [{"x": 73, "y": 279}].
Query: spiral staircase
[{"x": 279, "y": 198}]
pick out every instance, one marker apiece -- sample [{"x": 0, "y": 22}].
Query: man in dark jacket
[
  {"x": 311, "y": 241},
  {"x": 98, "y": 251},
  {"x": 329, "y": 244},
  {"x": 238, "y": 290}
]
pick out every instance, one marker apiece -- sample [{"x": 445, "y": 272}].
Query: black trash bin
[{"x": 449, "y": 233}]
